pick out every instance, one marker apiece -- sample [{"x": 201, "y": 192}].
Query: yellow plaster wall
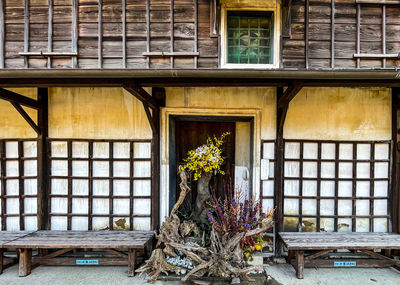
[
  {"x": 12, "y": 124},
  {"x": 262, "y": 98},
  {"x": 97, "y": 113},
  {"x": 340, "y": 114}
]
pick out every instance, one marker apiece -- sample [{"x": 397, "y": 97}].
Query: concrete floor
[
  {"x": 285, "y": 274},
  {"x": 282, "y": 274}
]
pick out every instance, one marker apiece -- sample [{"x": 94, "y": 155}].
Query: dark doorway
[{"x": 192, "y": 134}]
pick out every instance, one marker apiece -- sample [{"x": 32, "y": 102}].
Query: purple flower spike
[
  {"x": 210, "y": 219},
  {"x": 262, "y": 214},
  {"x": 254, "y": 218}
]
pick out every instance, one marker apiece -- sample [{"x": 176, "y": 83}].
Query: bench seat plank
[
  {"x": 338, "y": 240},
  {"x": 6, "y": 237},
  {"x": 83, "y": 239}
]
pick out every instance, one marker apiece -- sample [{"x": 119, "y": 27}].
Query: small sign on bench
[
  {"x": 345, "y": 264},
  {"x": 87, "y": 262}
]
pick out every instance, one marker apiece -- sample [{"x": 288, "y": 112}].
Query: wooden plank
[
  {"x": 21, "y": 172},
  {"x": 387, "y": 2},
  {"x": 380, "y": 56},
  {"x": 299, "y": 264},
  {"x": 318, "y": 254},
  {"x": 50, "y": 32},
  {"x": 384, "y": 35},
  {"x": 27, "y": 118},
  {"x": 148, "y": 32},
  {"x": 306, "y": 36},
  {"x": 66, "y": 261},
  {"x": 42, "y": 158},
  {"x": 172, "y": 54},
  {"x": 1, "y": 260},
  {"x": 3, "y": 186},
  {"x": 196, "y": 23},
  {"x": 171, "y": 27},
  {"x": 332, "y": 34},
  {"x": 83, "y": 239},
  {"x": 100, "y": 35},
  {"x": 395, "y": 209},
  {"x": 22, "y": 100},
  {"x": 25, "y": 262},
  {"x": 155, "y": 163},
  {"x": 123, "y": 33},
  {"x": 90, "y": 200},
  {"x": 358, "y": 33},
  {"x": 335, "y": 240},
  {"x": 26, "y": 32},
  {"x": 2, "y": 33},
  {"x": 56, "y": 253},
  {"x": 131, "y": 262},
  {"x": 75, "y": 32},
  {"x": 363, "y": 263}
]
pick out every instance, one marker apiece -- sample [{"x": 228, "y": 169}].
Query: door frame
[{"x": 168, "y": 118}]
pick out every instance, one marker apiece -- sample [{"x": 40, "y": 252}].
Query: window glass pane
[{"x": 249, "y": 35}]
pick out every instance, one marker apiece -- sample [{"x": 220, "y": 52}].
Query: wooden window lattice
[
  {"x": 338, "y": 186},
  {"x": 100, "y": 184},
  {"x": 19, "y": 186}
]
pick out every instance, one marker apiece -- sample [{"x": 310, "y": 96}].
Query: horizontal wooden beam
[
  {"x": 141, "y": 94},
  {"x": 372, "y": 55},
  {"x": 166, "y": 53},
  {"x": 27, "y": 118},
  {"x": 384, "y": 2},
  {"x": 17, "y": 98}
]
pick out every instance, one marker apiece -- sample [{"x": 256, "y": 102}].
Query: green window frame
[{"x": 250, "y": 37}]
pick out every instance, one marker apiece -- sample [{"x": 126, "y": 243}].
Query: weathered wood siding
[
  {"x": 140, "y": 34},
  {"x": 332, "y": 32},
  {"x": 108, "y": 34}
]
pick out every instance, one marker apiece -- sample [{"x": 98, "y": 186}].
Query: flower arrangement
[
  {"x": 232, "y": 217},
  {"x": 206, "y": 158}
]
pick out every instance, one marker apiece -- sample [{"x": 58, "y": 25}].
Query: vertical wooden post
[
  {"x": 131, "y": 262},
  {"x": 2, "y": 33},
  {"x": 75, "y": 31},
  {"x": 1, "y": 260},
  {"x": 299, "y": 264},
  {"x": 42, "y": 156},
  {"x": 25, "y": 262},
  {"x": 155, "y": 178},
  {"x": 395, "y": 160},
  {"x": 279, "y": 154}
]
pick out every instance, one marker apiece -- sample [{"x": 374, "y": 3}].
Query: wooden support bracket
[
  {"x": 27, "y": 118},
  {"x": 141, "y": 94},
  {"x": 17, "y": 98},
  {"x": 290, "y": 93},
  {"x": 149, "y": 117}
]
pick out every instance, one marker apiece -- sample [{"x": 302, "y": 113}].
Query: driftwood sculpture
[{"x": 223, "y": 258}]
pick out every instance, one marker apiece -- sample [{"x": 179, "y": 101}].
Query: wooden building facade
[{"x": 100, "y": 90}]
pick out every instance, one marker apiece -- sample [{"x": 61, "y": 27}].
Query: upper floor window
[{"x": 250, "y": 37}]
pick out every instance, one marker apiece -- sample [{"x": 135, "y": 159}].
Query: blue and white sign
[
  {"x": 345, "y": 264},
  {"x": 87, "y": 262}
]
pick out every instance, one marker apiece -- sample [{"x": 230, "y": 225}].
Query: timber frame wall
[{"x": 182, "y": 34}]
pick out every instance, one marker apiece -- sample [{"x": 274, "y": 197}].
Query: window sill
[{"x": 249, "y": 66}]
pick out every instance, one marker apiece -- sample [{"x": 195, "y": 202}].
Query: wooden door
[{"x": 191, "y": 134}]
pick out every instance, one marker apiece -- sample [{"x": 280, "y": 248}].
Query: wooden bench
[
  {"x": 111, "y": 242},
  {"x": 323, "y": 243},
  {"x": 6, "y": 237}
]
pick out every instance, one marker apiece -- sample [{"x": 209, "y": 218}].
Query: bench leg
[
  {"x": 299, "y": 264},
  {"x": 25, "y": 262},
  {"x": 131, "y": 262},
  {"x": 1, "y": 261}
]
